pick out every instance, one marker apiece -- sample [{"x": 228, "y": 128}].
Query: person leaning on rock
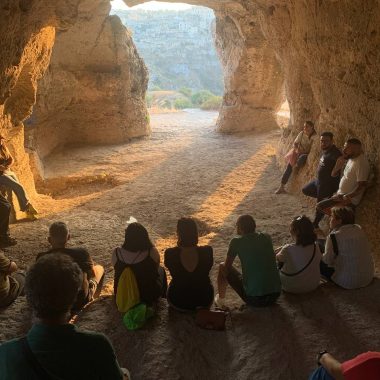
[
  {"x": 325, "y": 185},
  {"x": 54, "y": 348},
  {"x": 297, "y": 156},
  {"x": 59, "y": 235},
  {"x": 354, "y": 180}
]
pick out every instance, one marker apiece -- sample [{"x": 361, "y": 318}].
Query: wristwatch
[{"x": 319, "y": 357}]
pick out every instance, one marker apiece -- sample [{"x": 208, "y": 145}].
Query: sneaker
[
  {"x": 31, "y": 212},
  {"x": 219, "y": 302},
  {"x": 30, "y": 209},
  {"x": 7, "y": 241}
]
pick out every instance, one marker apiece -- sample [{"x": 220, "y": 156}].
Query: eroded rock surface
[
  {"x": 325, "y": 54},
  {"x": 94, "y": 89}
]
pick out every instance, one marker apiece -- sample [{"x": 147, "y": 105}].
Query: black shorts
[{"x": 235, "y": 280}]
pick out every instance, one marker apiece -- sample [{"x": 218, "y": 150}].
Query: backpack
[{"x": 127, "y": 295}]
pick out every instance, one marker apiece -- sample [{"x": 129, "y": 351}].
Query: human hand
[{"x": 340, "y": 162}]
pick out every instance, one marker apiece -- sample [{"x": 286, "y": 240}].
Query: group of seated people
[{"x": 65, "y": 279}]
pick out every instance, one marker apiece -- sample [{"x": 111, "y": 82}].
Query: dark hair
[
  {"x": 327, "y": 134},
  {"x": 354, "y": 141},
  {"x": 303, "y": 229},
  {"x": 309, "y": 123},
  {"x": 136, "y": 238},
  {"x": 187, "y": 232},
  {"x": 345, "y": 214},
  {"x": 59, "y": 232},
  {"x": 52, "y": 285},
  {"x": 246, "y": 223}
]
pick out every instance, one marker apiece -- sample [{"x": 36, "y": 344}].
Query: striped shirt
[{"x": 353, "y": 265}]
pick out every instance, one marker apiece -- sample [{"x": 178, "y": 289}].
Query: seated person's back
[
  {"x": 351, "y": 258},
  {"x": 62, "y": 350},
  {"x": 59, "y": 235},
  {"x": 300, "y": 261},
  {"x": 189, "y": 266},
  {"x": 139, "y": 254},
  {"x": 259, "y": 283}
]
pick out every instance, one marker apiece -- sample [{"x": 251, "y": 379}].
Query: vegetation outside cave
[{"x": 178, "y": 48}]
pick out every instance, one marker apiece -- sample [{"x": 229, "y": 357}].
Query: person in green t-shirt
[
  {"x": 259, "y": 284},
  {"x": 54, "y": 348}
]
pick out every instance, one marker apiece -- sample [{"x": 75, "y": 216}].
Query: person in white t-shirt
[
  {"x": 297, "y": 156},
  {"x": 347, "y": 260},
  {"x": 300, "y": 260},
  {"x": 354, "y": 179}
]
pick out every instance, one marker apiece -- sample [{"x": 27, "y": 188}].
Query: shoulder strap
[
  {"x": 32, "y": 360},
  {"x": 300, "y": 271},
  {"x": 334, "y": 243}
]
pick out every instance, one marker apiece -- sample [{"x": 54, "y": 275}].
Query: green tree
[
  {"x": 200, "y": 97},
  {"x": 149, "y": 100},
  {"x": 212, "y": 103},
  {"x": 182, "y": 103}
]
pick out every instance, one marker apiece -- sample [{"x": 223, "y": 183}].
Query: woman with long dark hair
[
  {"x": 139, "y": 253},
  {"x": 189, "y": 265},
  {"x": 299, "y": 261}
]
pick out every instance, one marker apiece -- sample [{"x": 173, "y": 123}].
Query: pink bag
[{"x": 291, "y": 157}]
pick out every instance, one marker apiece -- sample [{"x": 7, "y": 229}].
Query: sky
[{"x": 151, "y": 5}]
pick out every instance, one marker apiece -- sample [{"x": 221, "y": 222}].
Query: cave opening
[{"x": 177, "y": 43}]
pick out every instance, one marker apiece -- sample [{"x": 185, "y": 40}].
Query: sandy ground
[{"x": 186, "y": 168}]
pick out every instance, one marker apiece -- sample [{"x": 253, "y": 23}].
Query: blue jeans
[
  {"x": 288, "y": 171},
  {"x": 10, "y": 181},
  {"x": 320, "y": 374},
  {"x": 320, "y": 191}
]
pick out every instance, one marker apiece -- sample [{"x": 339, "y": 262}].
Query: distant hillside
[{"x": 177, "y": 47}]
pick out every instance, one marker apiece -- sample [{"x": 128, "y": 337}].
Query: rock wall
[
  {"x": 94, "y": 89},
  {"x": 27, "y": 36}
]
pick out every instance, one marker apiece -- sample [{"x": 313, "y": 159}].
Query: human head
[
  {"x": 308, "y": 128},
  {"x": 136, "y": 238},
  {"x": 326, "y": 140},
  {"x": 245, "y": 225},
  {"x": 352, "y": 148},
  {"x": 59, "y": 234},
  {"x": 302, "y": 230},
  {"x": 187, "y": 232},
  {"x": 341, "y": 216},
  {"x": 52, "y": 285}
]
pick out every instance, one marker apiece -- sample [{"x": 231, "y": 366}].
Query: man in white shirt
[{"x": 354, "y": 180}]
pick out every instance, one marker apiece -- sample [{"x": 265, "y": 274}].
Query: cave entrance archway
[{"x": 176, "y": 42}]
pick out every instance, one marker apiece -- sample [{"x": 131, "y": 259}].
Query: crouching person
[
  {"x": 54, "y": 348},
  {"x": 259, "y": 284}
]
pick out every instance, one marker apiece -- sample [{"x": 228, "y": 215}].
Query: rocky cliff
[
  {"x": 94, "y": 89},
  {"x": 324, "y": 55}
]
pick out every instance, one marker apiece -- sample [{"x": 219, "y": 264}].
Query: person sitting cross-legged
[
  {"x": 189, "y": 265},
  {"x": 299, "y": 261},
  {"x": 365, "y": 366},
  {"x": 259, "y": 284},
  {"x": 347, "y": 260},
  {"x": 54, "y": 348},
  {"x": 139, "y": 253},
  {"x": 59, "y": 236}
]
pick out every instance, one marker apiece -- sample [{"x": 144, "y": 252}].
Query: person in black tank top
[
  {"x": 189, "y": 266},
  {"x": 139, "y": 253}
]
